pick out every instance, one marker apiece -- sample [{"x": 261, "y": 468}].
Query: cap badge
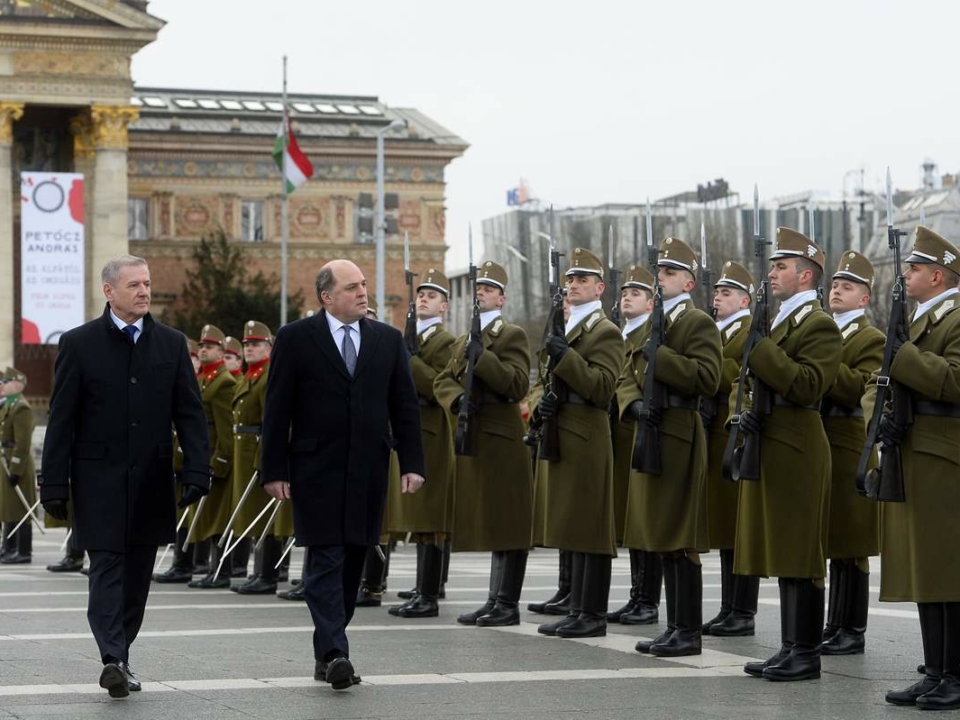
[
  {"x": 948, "y": 257},
  {"x": 851, "y": 256},
  {"x": 811, "y": 251}
]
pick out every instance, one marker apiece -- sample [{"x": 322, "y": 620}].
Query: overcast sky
[{"x": 601, "y": 101}]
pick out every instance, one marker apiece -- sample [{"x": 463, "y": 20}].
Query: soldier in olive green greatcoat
[
  {"x": 426, "y": 515},
  {"x": 575, "y": 508},
  {"x": 233, "y": 357},
  {"x": 16, "y": 468},
  {"x": 493, "y": 489},
  {"x": 666, "y": 513},
  {"x": 216, "y": 389},
  {"x": 782, "y": 518},
  {"x": 248, "y": 400},
  {"x": 646, "y": 570},
  {"x": 853, "y": 529},
  {"x": 919, "y": 537},
  {"x": 738, "y": 593}
]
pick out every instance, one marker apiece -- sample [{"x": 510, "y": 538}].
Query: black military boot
[
  {"x": 9, "y": 546},
  {"x": 786, "y": 631},
  {"x": 932, "y": 623},
  {"x": 201, "y": 558},
  {"x": 592, "y": 620},
  {"x": 946, "y": 696},
  {"x": 668, "y": 563},
  {"x": 559, "y": 604},
  {"x": 412, "y": 592},
  {"x": 296, "y": 593},
  {"x": 424, "y": 605},
  {"x": 257, "y": 568},
  {"x": 688, "y": 613},
  {"x": 241, "y": 559},
  {"x": 835, "y": 599},
  {"x": 741, "y": 620},
  {"x": 636, "y": 578},
  {"x": 647, "y": 610},
  {"x": 506, "y": 611},
  {"x": 849, "y": 639},
  {"x": 575, "y": 597},
  {"x": 264, "y": 578},
  {"x": 496, "y": 574},
  {"x": 214, "y": 580},
  {"x": 24, "y": 552},
  {"x": 803, "y": 660},
  {"x": 374, "y": 581},
  {"x": 726, "y": 591},
  {"x": 182, "y": 569},
  {"x": 446, "y": 569},
  {"x": 71, "y": 562}
]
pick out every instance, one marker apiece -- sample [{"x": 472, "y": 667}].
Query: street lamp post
[{"x": 381, "y": 229}]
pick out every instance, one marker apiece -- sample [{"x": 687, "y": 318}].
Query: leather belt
[
  {"x": 8, "y": 444},
  {"x": 246, "y": 429},
  {"x": 488, "y": 397},
  {"x": 577, "y": 399},
  {"x": 781, "y": 401},
  {"x": 838, "y": 411},
  {"x": 684, "y": 403},
  {"x": 937, "y": 408}
]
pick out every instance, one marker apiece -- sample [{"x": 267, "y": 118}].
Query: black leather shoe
[
  {"x": 174, "y": 575},
  {"x": 67, "y": 564},
  {"x": 681, "y": 643},
  {"x": 366, "y": 598},
  {"x": 419, "y": 607},
  {"x": 132, "y": 682},
  {"x": 756, "y": 669},
  {"x": 550, "y": 629},
  {"x": 395, "y": 610},
  {"x": 208, "y": 583},
  {"x": 560, "y": 607},
  {"x": 407, "y": 594},
  {"x": 802, "y": 663},
  {"x": 471, "y": 618},
  {"x": 295, "y": 593},
  {"x": 114, "y": 681},
  {"x": 721, "y": 616},
  {"x": 320, "y": 673},
  {"x": 202, "y": 570},
  {"x": 843, "y": 642},
  {"x": 17, "y": 559},
  {"x": 540, "y": 607},
  {"x": 585, "y": 626},
  {"x": 257, "y": 586},
  {"x": 908, "y": 696},
  {"x": 642, "y": 615},
  {"x": 500, "y": 616},
  {"x": 644, "y": 645},
  {"x": 614, "y": 617},
  {"x": 945, "y": 696},
  {"x": 340, "y": 673},
  {"x": 736, "y": 624}
]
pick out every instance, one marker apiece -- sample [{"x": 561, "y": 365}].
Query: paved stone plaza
[{"x": 213, "y": 654}]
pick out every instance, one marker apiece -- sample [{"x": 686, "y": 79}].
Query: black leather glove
[
  {"x": 636, "y": 409},
  {"x": 474, "y": 348},
  {"x": 413, "y": 347},
  {"x": 458, "y": 405},
  {"x": 750, "y": 422},
  {"x": 706, "y": 417},
  {"x": 190, "y": 494},
  {"x": 548, "y": 406},
  {"x": 57, "y": 509},
  {"x": 557, "y": 347},
  {"x": 889, "y": 431},
  {"x": 649, "y": 349},
  {"x": 14, "y": 480},
  {"x": 898, "y": 340}
]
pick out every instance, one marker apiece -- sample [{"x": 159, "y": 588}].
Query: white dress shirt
[
  {"x": 336, "y": 329},
  {"x": 121, "y": 324}
]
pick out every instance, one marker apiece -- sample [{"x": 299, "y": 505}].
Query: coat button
[{"x": 133, "y": 381}]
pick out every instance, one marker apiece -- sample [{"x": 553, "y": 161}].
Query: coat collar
[
  {"x": 794, "y": 320},
  {"x": 369, "y": 339},
  {"x": 932, "y": 317}
]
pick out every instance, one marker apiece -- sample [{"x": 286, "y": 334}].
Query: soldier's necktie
[
  {"x": 131, "y": 330},
  {"x": 349, "y": 350}
]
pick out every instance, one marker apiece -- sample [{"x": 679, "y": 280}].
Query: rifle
[
  {"x": 410, "y": 329},
  {"x": 646, "y": 449},
  {"x": 885, "y": 483},
  {"x": 465, "y": 441},
  {"x": 706, "y": 277},
  {"x": 614, "y": 278},
  {"x": 742, "y": 462}
]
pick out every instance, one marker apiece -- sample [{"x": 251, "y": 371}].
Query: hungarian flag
[{"x": 298, "y": 169}]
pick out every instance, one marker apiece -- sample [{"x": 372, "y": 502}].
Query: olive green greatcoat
[
  {"x": 782, "y": 518},
  {"x": 919, "y": 537},
  {"x": 16, "y": 435},
  {"x": 216, "y": 390},
  {"x": 428, "y": 511},
  {"x": 668, "y": 512},
  {"x": 723, "y": 496},
  {"x": 623, "y": 428},
  {"x": 574, "y": 507},
  {"x": 248, "y": 397},
  {"x": 493, "y": 491},
  {"x": 283, "y": 522},
  {"x": 853, "y": 530}
]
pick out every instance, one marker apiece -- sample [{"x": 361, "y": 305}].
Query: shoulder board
[
  {"x": 734, "y": 326},
  {"x": 497, "y": 327},
  {"x": 592, "y": 320},
  {"x": 850, "y": 330},
  {"x": 677, "y": 311},
  {"x": 945, "y": 307},
  {"x": 801, "y": 314},
  {"x": 425, "y": 335}
]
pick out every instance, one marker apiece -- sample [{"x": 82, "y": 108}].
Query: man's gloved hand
[
  {"x": 14, "y": 480},
  {"x": 898, "y": 340},
  {"x": 706, "y": 417},
  {"x": 649, "y": 349},
  {"x": 190, "y": 494},
  {"x": 750, "y": 422},
  {"x": 557, "y": 347},
  {"x": 57, "y": 509},
  {"x": 474, "y": 348},
  {"x": 635, "y": 409},
  {"x": 889, "y": 431},
  {"x": 458, "y": 406},
  {"x": 547, "y": 407}
]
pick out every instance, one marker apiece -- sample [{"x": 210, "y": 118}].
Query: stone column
[
  {"x": 109, "y": 221},
  {"x": 9, "y": 113}
]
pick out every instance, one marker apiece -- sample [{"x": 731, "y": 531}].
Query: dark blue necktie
[{"x": 132, "y": 331}]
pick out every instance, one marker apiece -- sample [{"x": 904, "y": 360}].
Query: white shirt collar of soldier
[
  {"x": 924, "y": 306},
  {"x": 634, "y": 323},
  {"x": 670, "y": 304},
  {"x": 844, "y": 319},
  {"x": 488, "y": 317},
  {"x": 727, "y": 322},
  {"x": 336, "y": 325},
  {"x": 790, "y": 304},
  {"x": 429, "y": 322},
  {"x": 579, "y": 312},
  {"x": 121, "y": 324}
]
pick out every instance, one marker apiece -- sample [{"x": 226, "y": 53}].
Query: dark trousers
[
  {"x": 119, "y": 585},
  {"x": 331, "y": 579}
]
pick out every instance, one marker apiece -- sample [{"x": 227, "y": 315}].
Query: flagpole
[{"x": 284, "y": 222}]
